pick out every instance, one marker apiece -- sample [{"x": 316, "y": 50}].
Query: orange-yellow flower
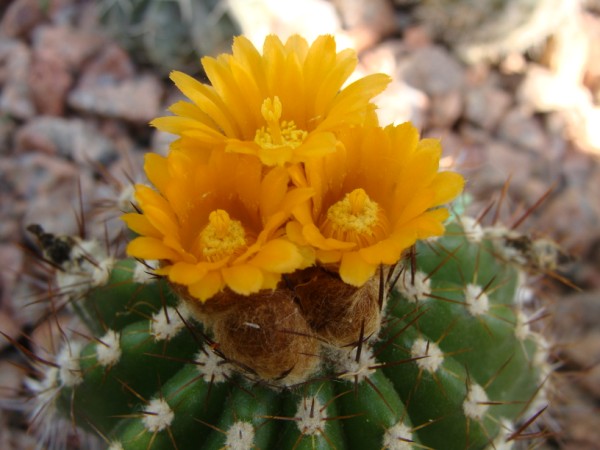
[
  {"x": 283, "y": 105},
  {"x": 373, "y": 199},
  {"x": 216, "y": 222}
]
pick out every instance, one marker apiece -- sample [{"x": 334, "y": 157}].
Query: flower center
[
  {"x": 277, "y": 133},
  {"x": 356, "y": 218},
  {"x": 222, "y": 237}
]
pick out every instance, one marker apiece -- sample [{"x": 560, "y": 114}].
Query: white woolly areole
[
  {"x": 142, "y": 273},
  {"x": 69, "y": 371},
  {"x": 433, "y": 355},
  {"x": 240, "y": 436},
  {"x": 398, "y": 437},
  {"x": 472, "y": 229},
  {"x": 158, "y": 415},
  {"x": 43, "y": 394},
  {"x": 126, "y": 199},
  {"x": 501, "y": 443},
  {"x": 115, "y": 446},
  {"x": 311, "y": 416},
  {"x": 89, "y": 266},
  {"x": 212, "y": 366},
  {"x": 474, "y": 405},
  {"x": 522, "y": 329},
  {"x": 476, "y": 300},
  {"x": 356, "y": 370},
  {"x": 108, "y": 351},
  {"x": 167, "y": 324},
  {"x": 416, "y": 289}
]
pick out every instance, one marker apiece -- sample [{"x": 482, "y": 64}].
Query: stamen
[
  {"x": 277, "y": 133},
  {"x": 271, "y": 111},
  {"x": 222, "y": 237},
  {"x": 356, "y": 218}
]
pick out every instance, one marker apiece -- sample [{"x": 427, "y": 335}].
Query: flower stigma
[
  {"x": 222, "y": 237},
  {"x": 277, "y": 134},
  {"x": 355, "y": 218}
]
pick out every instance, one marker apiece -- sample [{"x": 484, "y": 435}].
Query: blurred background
[{"x": 511, "y": 87}]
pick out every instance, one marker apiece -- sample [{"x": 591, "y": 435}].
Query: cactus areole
[{"x": 297, "y": 283}]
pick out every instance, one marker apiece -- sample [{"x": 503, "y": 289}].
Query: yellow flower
[
  {"x": 373, "y": 199},
  {"x": 216, "y": 222},
  {"x": 282, "y": 106}
]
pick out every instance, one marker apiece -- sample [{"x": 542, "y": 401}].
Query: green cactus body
[{"x": 454, "y": 366}]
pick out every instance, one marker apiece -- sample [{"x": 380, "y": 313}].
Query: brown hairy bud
[
  {"x": 337, "y": 311},
  {"x": 267, "y": 337}
]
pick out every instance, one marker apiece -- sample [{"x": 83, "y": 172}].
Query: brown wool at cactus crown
[{"x": 288, "y": 287}]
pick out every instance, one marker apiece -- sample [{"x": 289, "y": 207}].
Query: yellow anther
[
  {"x": 222, "y": 237},
  {"x": 277, "y": 133},
  {"x": 355, "y": 218}
]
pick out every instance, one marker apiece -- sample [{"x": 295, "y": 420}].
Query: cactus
[
  {"x": 168, "y": 34},
  {"x": 455, "y": 364},
  {"x": 489, "y": 30},
  {"x": 293, "y": 287}
]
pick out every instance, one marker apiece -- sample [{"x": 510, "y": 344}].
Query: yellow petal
[
  {"x": 329, "y": 256},
  {"x": 279, "y": 256},
  {"x": 314, "y": 237},
  {"x": 155, "y": 168},
  {"x": 355, "y": 270},
  {"x": 350, "y": 106},
  {"x": 316, "y": 145},
  {"x": 151, "y": 248},
  {"x": 446, "y": 185},
  {"x": 162, "y": 221},
  {"x": 185, "y": 273},
  {"x": 243, "y": 279},
  {"x": 207, "y": 100},
  {"x": 207, "y": 287},
  {"x": 293, "y": 231},
  {"x": 272, "y": 190},
  {"x": 383, "y": 252},
  {"x": 140, "y": 224}
]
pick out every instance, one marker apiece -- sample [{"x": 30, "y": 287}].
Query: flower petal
[
  {"x": 207, "y": 287},
  {"x": 278, "y": 256},
  {"x": 355, "y": 270},
  {"x": 151, "y": 248},
  {"x": 186, "y": 274},
  {"x": 243, "y": 279},
  {"x": 141, "y": 225}
]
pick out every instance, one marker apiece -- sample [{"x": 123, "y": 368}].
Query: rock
[
  {"x": 9, "y": 327},
  {"x": 485, "y": 105},
  {"x": 433, "y": 70},
  {"x": 109, "y": 88},
  {"x": 21, "y": 17},
  {"x": 520, "y": 128},
  {"x": 591, "y": 79},
  {"x": 417, "y": 36},
  {"x": 401, "y": 102},
  {"x": 445, "y": 109},
  {"x": 7, "y": 129},
  {"x": 72, "y": 139},
  {"x": 15, "y": 62},
  {"x": 11, "y": 377},
  {"x": 574, "y": 217},
  {"x": 309, "y": 18},
  {"x": 70, "y": 46},
  {"x": 366, "y": 22},
  {"x": 136, "y": 100},
  {"x": 49, "y": 81},
  {"x": 545, "y": 91},
  {"x": 12, "y": 266}
]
